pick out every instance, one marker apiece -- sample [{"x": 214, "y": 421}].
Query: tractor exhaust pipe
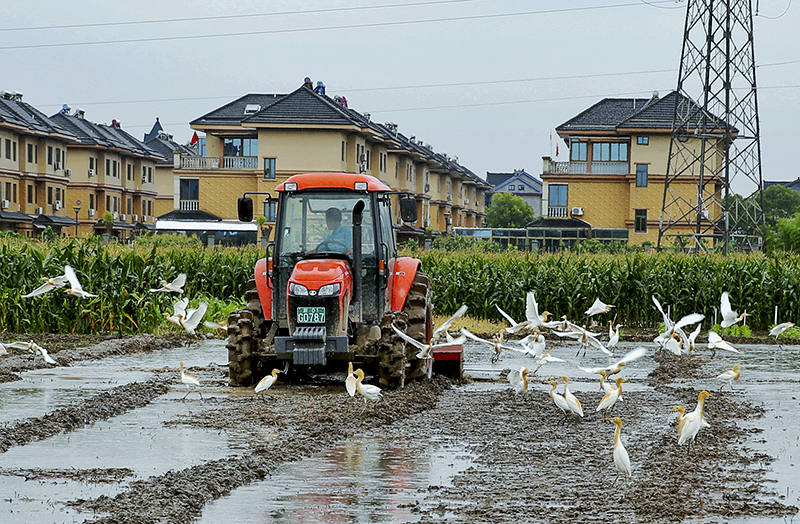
[{"x": 358, "y": 211}]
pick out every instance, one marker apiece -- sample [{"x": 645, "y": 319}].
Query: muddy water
[{"x": 381, "y": 476}]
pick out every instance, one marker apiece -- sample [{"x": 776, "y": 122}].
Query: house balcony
[
  {"x": 189, "y": 205},
  {"x": 552, "y": 167},
  {"x": 228, "y": 162},
  {"x": 558, "y": 211}
]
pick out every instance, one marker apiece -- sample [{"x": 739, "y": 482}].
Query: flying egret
[
  {"x": 621, "y": 459},
  {"x": 518, "y": 378},
  {"x": 557, "y": 398},
  {"x": 585, "y": 338},
  {"x": 544, "y": 358},
  {"x": 616, "y": 367},
  {"x": 188, "y": 319},
  {"x": 672, "y": 329},
  {"x": 729, "y": 316},
  {"x": 3, "y": 350},
  {"x": 496, "y": 343},
  {"x": 33, "y": 347},
  {"x": 534, "y": 345},
  {"x": 176, "y": 286},
  {"x": 350, "y": 381},
  {"x": 573, "y": 403},
  {"x": 50, "y": 283},
  {"x": 613, "y": 334},
  {"x": 191, "y": 382},
  {"x": 776, "y": 331},
  {"x": 692, "y": 339},
  {"x": 727, "y": 377},
  {"x": 610, "y": 398},
  {"x": 368, "y": 391},
  {"x": 532, "y": 320},
  {"x": 215, "y": 325},
  {"x": 715, "y": 342},
  {"x": 265, "y": 383},
  {"x": 695, "y": 421},
  {"x": 75, "y": 286},
  {"x": 426, "y": 350},
  {"x": 597, "y": 308},
  {"x": 562, "y": 325}
]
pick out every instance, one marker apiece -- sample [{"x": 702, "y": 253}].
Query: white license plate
[{"x": 311, "y": 315}]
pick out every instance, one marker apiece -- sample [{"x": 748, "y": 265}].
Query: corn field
[
  {"x": 121, "y": 276},
  {"x": 567, "y": 283}
]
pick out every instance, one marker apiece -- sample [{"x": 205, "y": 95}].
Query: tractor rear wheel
[{"x": 246, "y": 328}]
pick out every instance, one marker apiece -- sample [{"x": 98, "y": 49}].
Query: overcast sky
[{"x": 486, "y": 81}]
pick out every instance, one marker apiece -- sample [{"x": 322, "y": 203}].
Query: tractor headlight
[
  {"x": 329, "y": 290},
  {"x": 298, "y": 290}
]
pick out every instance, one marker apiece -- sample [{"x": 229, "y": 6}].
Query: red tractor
[{"x": 331, "y": 285}]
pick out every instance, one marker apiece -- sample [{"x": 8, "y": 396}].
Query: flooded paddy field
[{"x": 109, "y": 437}]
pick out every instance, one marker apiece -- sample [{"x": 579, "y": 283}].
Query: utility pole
[{"x": 715, "y": 148}]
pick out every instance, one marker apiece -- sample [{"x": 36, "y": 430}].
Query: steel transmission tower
[{"x": 714, "y": 148}]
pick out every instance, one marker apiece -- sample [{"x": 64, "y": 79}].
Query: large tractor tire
[
  {"x": 246, "y": 328},
  {"x": 397, "y": 360}
]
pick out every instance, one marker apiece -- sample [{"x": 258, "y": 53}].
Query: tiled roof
[
  {"x": 91, "y": 134},
  {"x": 303, "y": 106},
  {"x": 605, "y": 115},
  {"x": 22, "y": 114},
  {"x": 15, "y": 216},
  {"x": 165, "y": 146},
  {"x": 233, "y": 114},
  {"x": 192, "y": 216}
]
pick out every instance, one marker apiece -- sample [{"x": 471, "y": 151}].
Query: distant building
[
  {"x": 519, "y": 183},
  {"x": 794, "y": 184},
  {"x": 163, "y": 143}
]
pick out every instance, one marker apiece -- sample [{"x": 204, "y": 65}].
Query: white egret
[
  {"x": 191, "y": 382},
  {"x": 557, "y": 398},
  {"x": 715, "y": 342},
  {"x": 598, "y": 307},
  {"x": 534, "y": 345},
  {"x": 545, "y": 358},
  {"x": 613, "y": 334},
  {"x": 176, "y": 286},
  {"x": 75, "y": 286},
  {"x": 266, "y": 382},
  {"x": 426, "y": 350},
  {"x": 616, "y": 367},
  {"x": 3, "y": 350},
  {"x": 610, "y": 398},
  {"x": 695, "y": 421},
  {"x": 692, "y": 339},
  {"x": 496, "y": 343},
  {"x": 727, "y": 377},
  {"x": 681, "y": 418},
  {"x": 532, "y": 320},
  {"x": 605, "y": 386},
  {"x": 368, "y": 391},
  {"x": 50, "y": 283},
  {"x": 621, "y": 459},
  {"x": 518, "y": 378},
  {"x": 729, "y": 316},
  {"x": 33, "y": 347},
  {"x": 585, "y": 338},
  {"x": 573, "y": 403},
  {"x": 188, "y": 319},
  {"x": 350, "y": 381},
  {"x": 777, "y": 330}
]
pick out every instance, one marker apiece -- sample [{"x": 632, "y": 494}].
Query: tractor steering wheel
[{"x": 327, "y": 246}]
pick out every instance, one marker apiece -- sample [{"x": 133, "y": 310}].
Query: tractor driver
[{"x": 340, "y": 238}]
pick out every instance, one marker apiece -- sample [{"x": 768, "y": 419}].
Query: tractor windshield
[{"x": 315, "y": 222}]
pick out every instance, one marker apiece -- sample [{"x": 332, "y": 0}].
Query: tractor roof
[{"x": 333, "y": 181}]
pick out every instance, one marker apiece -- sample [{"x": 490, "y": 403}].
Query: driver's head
[{"x": 333, "y": 217}]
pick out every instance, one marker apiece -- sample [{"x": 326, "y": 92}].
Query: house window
[
  {"x": 640, "y": 221},
  {"x": 240, "y": 146},
  {"x": 190, "y": 189},
  {"x": 558, "y": 195},
  {"x": 8, "y": 149},
  {"x": 129, "y": 173},
  {"x": 269, "y": 168},
  {"x": 108, "y": 167},
  {"x": 511, "y": 188},
  {"x": 201, "y": 146},
  {"x": 577, "y": 151},
  {"x": 91, "y": 201},
  {"x": 30, "y": 154},
  {"x": 30, "y": 194},
  {"x": 643, "y": 140},
  {"x": 49, "y": 196},
  {"x": 270, "y": 206},
  {"x": 49, "y": 155},
  {"x": 641, "y": 175},
  {"x": 14, "y": 194},
  {"x": 520, "y": 188},
  {"x": 609, "y": 152}
]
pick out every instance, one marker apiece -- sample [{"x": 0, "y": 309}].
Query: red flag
[{"x": 194, "y": 138}]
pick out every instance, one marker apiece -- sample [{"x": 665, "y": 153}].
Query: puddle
[{"x": 366, "y": 479}]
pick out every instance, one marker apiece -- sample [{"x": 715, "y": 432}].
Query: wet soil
[{"x": 530, "y": 463}]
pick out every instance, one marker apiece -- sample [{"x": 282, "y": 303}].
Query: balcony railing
[
  {"x": 558, "y": 211},
  {"x": 597, "y": 168},
  {"x": 228, "y": 162},
  {"x": 190, "y": 205}
]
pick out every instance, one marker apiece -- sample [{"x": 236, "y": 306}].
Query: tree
[
  {"x": 780, "y": 202},
  {"x": 508, "y": 210}
]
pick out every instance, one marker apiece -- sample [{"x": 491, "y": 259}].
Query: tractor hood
[{"x": 314, "y": 273}]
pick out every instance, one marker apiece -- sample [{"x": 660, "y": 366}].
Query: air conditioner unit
[
  {"x": 135, "y": 218},
  {"x": 144, "y": 218},
  {"x": 123, "y": 217},
  {"x": 38, "y": 211},
  {"x": 577, "y": 211},
  {"x": 57, "y": 205},
  {"x": 57, "y": 165},
  {"x": 466, "y": 201},
  {"x": 91, "y": 212},
  {"x": 68, "y": 173},
  {"x": 144, "y": 179},
  {"x": 5, "y": 204},
  {"x": 92, "y": 172},
  {"x": 427, "y": 187},
  {"x": 363, "y": 157},
  {"x": 116, "y": 215}
]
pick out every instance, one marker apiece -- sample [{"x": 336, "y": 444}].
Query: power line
[
  {"x": 229, "y": 17},
  {"x": 329, "y": 28}
]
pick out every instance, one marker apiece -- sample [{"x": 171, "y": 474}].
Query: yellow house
[
  {"x": 614, "y": 180},
  {"x": 34, "y": 174},
  {"x": 110, "y": 172},
  {"x": 254, "y": 143}
]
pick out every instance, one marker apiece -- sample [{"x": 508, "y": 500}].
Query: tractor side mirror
[
  {"x": 408, "y": 209},
  {"x": 245, "y": 208}
]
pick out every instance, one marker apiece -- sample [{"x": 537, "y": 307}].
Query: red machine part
[
  {"x": 401, "y": 279},
  {"x": 263, "y": 287}
]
